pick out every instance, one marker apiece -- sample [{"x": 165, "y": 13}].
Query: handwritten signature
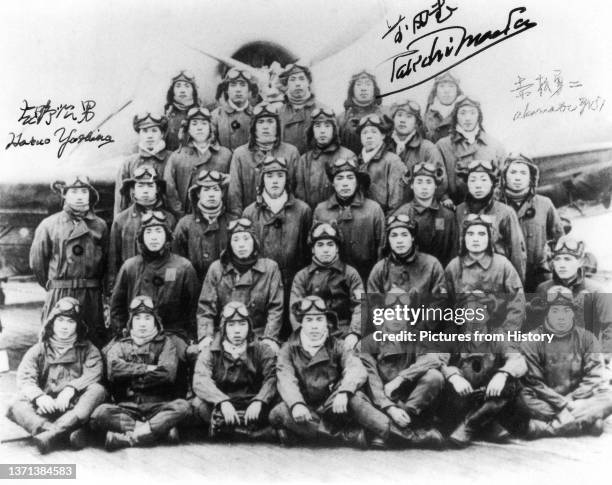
[
  {"x": 47, "y": 114},
  {"x": 452, "y": 44}
]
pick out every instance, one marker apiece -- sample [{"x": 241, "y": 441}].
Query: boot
[
  {"x": 116, "y": 441},
  {"x": 462, "y": 436},
  {"x": 496, "y": 433},
  {"x": 378, "y": 443},
  {"x": 595, "y": 428},
  {"x": 173, "y": 436},
  {"x": 354, "y": 437},
  {"x": 267, "y": 434},
  {"x": 539, "y": 429},
  {"x": 49, "y": 440},
  {"x": 142, "y": 434},
  {"x": 80, "y": 438},
  {"x": 429, "y": 438},
  {"x": 286, "y": 438}
]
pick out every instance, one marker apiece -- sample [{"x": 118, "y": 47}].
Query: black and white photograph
[{"x": 306, "y": 241}]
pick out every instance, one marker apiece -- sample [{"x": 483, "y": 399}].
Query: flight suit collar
[
  {"x": 231, "y": 110},
  {"x": 419, "y": 209},
  {"x": 246, "y": 278},
  {"x": 337, "y": 265},
  {"x": 481, "y": 137},
  {"x": 160, "y": 155},
  {"x": 485, "y": 262},
  {"x": 329, "y": 150},
  {"x": 332, "y": 202},
  {"x": 322, "y": 355},
  {"x": 69, "y": 357}
]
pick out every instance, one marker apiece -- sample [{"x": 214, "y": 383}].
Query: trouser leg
[
  {"x": 535, "y": 407},
  {"x": 113, "y": 417},
  {"x": 24, "y": 414},
  {"x": 89, "y": 400},
  {"x": 368, "y": 416},
  {"x": 424, "y": 396},
  {"x": 164, "y": 416},
  {"x": 280, "y": 417}
]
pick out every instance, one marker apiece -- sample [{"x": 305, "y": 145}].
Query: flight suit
[
  {"x": 260, "y": 289},
  {"x": 218, "y": 377},
  {"x": 386, "y": 171},
  {"x": 339, "y": 285},
  {"x": 315, "y": 382},
  {"x": 420, "y": 150},
  {"x": 295, "y": 122},
  {"x": 126, "y": 171},
  {"x": 593, "y": 310},
  {"x": 283, "y": 236},
  {"x": 123, "y": 234},
  {"x": 231, "y": 126},
  {"x": 183, "y": 168},
  {"x": 540, "y": 223},
  {"x": 495, "y": 276},
  {"x": 200, "y": 242},
  {"x": 312, "y": 184},
  {"x": 349, "y": 121},
  {"x": 437, "y": 231},
  {"x": 362, "y": 225},
  {"x": 507, "y": 234},
  {"x": 423, "y": 382},
  {"x": 141, "y": 394},
  {"x": 457, "y": 153},
  {"x": 41, "y": 371},
  {"x": 478, "y": 362},
  {"x": 172, "y": 284},
  {"x": 245, "y": 173},
  {"x": 567, "y": 370},
  {"x": 69, "y": 258}
]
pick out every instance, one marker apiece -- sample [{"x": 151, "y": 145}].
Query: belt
[{"x": 71, "y": 284}]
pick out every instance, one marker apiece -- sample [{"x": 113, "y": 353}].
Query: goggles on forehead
[
  {"x": 372, "y": 119},
  {"x": 79, "y": 181},
  {"x": 265, "y": 108},
  {"x": 68, "y": 304},
  {"x": 198, "y": 112},
  {"x": 322, "y": 112},
  {"x": 293, "y": 67},
  {"x": 142, "y": 303},
  {"x": 568, "y": 244},
  {"x": 474, "y": 219},
  {"x": 145, "y": 171},
  {"x": 213, "y": 175},
  {"x": 404, "y": 218},
  {"x": 484, "y": 164},
  {"x": 275, "y": 161},
  {"x": 426, "y": 168},
  {"x": 518, "y": 157},
  {"x": 412, "y": 105},
  {"x": 560, "y": 295},
  {"x": 324, "y": 229},
  {"x": 351, "y": 162},
  {"x": 154, "y": 117},
  {"x": 234, "y": 74},
  {"x": 184, "y": 75},
  {"x": 242, "y": 222},
  {"x": 463, "y": 100},
  {"x": 150, "y": 216},
  {"x": 306, "y": 304},
  {"x": 233, "y": 308}
]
